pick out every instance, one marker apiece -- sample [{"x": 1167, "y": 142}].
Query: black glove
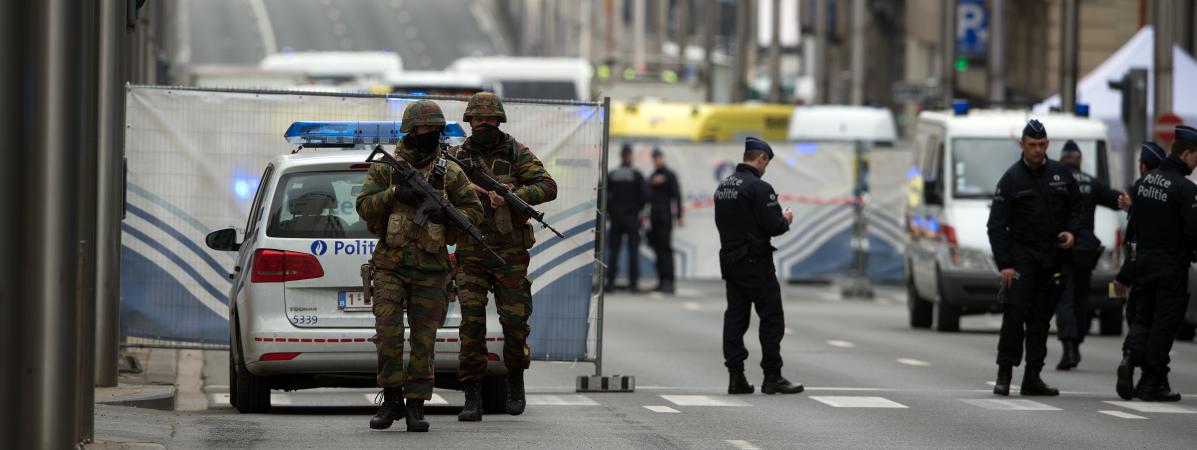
[
  {"x": 439, "y": 217},
  {"x": 408, "y": 195}
]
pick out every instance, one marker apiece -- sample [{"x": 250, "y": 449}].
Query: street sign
[
  {"x": 972, "y": 29},
  {"x": 1165, "y": 128}
]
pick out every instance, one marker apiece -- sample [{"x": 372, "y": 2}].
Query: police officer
[
  {"x": 478, "y": 272},
  {"x": 665, "y": 208},
  {"x": 1072, "y": 312},
  {"x": 748, "y": 215},
  {"x": 1035, "y": 217},
  {"x": 625, "y": 198},
  {"x": 1150, "y": 157},
  {"x": 1164, "y": 206},
  {"x": 411, "y": 262}
]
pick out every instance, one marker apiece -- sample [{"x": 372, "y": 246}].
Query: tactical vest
[
  {"x": 505, "y": 227},
  {"x": 401, "y": 227}
]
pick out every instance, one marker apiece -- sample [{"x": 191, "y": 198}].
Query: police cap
[
  {"x": 1186, "y": 133},
  {"x": 1034, "y": 130},
  {"x": 752, "y": 143},
  {"x": 1151, "y": 154},
  {"x": 1071, "y": 147}
]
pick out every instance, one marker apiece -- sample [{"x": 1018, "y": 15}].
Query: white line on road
[
  {"x": 1154, "y": 407},
  {"x": 560, "y": 400},
  {"x": 1121, "y": 415},
  {"x": 840, "y": 344},
  {"x": 691, "y": 306},
  {"x": 269, "y": 43},
  {"x": 660, "y": 409},
  {"x": 913, "y": 362},
  {"x": 702, "y": 400},
  {"x": 742, "y": 445},
  {"x": 1010, "y": 405},
  {"x": 789, "y": 331},
  {"x": 858, "y": 402}
]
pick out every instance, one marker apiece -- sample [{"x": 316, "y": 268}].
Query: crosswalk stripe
[
  {"x": 1010, "y": 405},
  {"x": 702, "y": 400},
  {"x": 661, "y": 409},
  {"x": 560, "y": 400},
  {"x": 1122, "y": 415},
  {"x": 858, "y": 402},
  {"x": 1154, "y": 407},
  {"x": 742, "y": 445}
]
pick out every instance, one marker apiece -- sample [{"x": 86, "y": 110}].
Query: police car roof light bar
[
  {"x": 1081, "y": 109},
  {"x": 352, "y": 134},
  {"x": 960, "y": 107}
]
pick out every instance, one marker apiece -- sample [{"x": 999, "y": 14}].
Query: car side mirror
[
  {"x": 931, "y": 193},
  {"x": 224, "y": 240}
]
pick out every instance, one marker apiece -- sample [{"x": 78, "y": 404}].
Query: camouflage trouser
[
  {"x": 422, "y": 294},
  {"x": 513, "y": 299}
]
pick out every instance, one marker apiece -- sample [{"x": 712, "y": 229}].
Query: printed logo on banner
[
  {"x": 319, "y": 248},
  {"x": 723, "y": 170}
]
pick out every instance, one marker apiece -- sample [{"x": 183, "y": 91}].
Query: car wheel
[
  {"x": 248, "y": 393},
  {"x": 920, "y": 309},
  {"x": 494, "y": 394},
  {"x": 1186, "y": 332},
  {"x": 232, "y": 378},
  {"x": 1111, "y": 321},
  {"x": 947, "y": 316}
]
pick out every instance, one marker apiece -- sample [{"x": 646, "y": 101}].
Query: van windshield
[
  {"x": 978, "y": 163},
  {"x": 540, "y": 89},
  {"x": 318, "y": 205}
]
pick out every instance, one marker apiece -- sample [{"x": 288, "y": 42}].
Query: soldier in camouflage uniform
[
  {"x": 411, "y": 262},
  {"x": 506, "y": 230}
]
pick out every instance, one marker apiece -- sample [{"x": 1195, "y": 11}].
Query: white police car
[{"x": 297, "y": 316}]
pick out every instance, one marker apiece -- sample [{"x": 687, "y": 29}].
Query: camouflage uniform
[
  {"x": 508, "y": 232},
  {"x": 412, "y": 267}
]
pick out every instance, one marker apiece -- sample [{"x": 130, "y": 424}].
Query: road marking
[
  {"x": 280, "y": 399},
  {"x": 265, "y": 28},
  {"x": 1154, "y": 407},
  {"x": 702, "y": 400},
  {"x": 742, "y": 445},
  {"x": 560, "y": 400},
  {"x": 1121, "y": 415},
  {"x": 858, "y": 402},
  {"x": 436, "y": 399},
  {"x": 1010, "y": 405},
  {"x": 840, "y": 344},
  {"x": 691, "y": 306},
  {"x": 660, "y": 409},
  {"x": 913, "y": 362}
]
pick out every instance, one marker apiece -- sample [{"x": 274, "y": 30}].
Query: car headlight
[{"x": 973, "y": 259}]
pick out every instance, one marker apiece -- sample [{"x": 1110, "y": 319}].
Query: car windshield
[
  {"x": 539, "y": 89},
  {"x": 318, "y": 205},
  {"x": 978, "y": 163}
]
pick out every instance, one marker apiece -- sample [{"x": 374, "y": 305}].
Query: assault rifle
[{"x": 480, "y": 178}]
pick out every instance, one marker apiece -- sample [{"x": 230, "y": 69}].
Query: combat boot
[
  {"x": 1033, "y": 385},
  {"x": 1126, "y": 377},
  {"x": 515, "y": 392},
  {"x": 1002, "y": 385},
  {"x": 1076, "y": 353},
  {"x": 739, "y": 384},
  {"x": 1068, "y": 358},
  {"x": 1157, "y": 389},
  {"x": 777, "y": 384},
  {"x": 472, "y": 411},
  {"x": 389, "y": 410},
  {"x": 415, "y": 415}
]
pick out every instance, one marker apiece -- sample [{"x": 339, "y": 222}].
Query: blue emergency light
[
  {"x": 350, "y": 134},
  {"x": 1081, "y": 109},
  {"x": 960, "y": 107}
]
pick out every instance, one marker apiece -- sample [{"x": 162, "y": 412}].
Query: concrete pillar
[
  {"x": 110, "y": 191},
  {"x": 822, "y": 87},
  {"x": 858, "y": 51},
  {"x": 775, "y": 53},
  {"x": 1165, "y": 29},
  {"x": 997, "y": 53},
  {"x": 947, "y": 78},
  {"x": 1069, "y": 43}
]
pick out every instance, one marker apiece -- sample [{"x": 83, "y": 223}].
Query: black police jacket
[
  {"x": 747, "y": 215},
  {"x": 665, "y": 196},
  {"x": 1030, "y": 208},
  {"x": 1164, "y": 212},
  {"x": 625, "y": 195},
  {"x": 1093, "y": 193}
]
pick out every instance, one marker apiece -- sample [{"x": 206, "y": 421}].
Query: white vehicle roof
[
  {"x": 501, "y": 68},
  {"x": 229, "y": 76},
  {"x": 842, "y": 123},
  {"x": 437, "y": 78},
  {"x": 368, "y": 65},
  {"x": 318, "y": 157},
  {"x": 1009, "y": 124}
]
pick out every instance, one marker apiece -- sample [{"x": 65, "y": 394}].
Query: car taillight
[
  {"x": 949, "y": 234},
  {"x": 285, "y": 356},
  {"x": 276, "y": 266}
]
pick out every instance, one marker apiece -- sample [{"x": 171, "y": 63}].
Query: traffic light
[{"x": 961, "y": 64}]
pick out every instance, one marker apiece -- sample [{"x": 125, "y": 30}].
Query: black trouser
[
  {"x": 614, "y": 241},
  {"x": 660, "y": 237},
  {"x": 753, "y": 282},
  {"x": 1027, "y": 314},
  {"x": 1072, "y": 312},
  {"x": 1161, "y": 298}
]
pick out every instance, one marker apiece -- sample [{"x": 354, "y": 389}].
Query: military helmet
[
  {"x": 422, "y": 112},
  {"x": 484, "y": 104}
]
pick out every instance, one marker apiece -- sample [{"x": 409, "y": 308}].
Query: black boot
[
  {"x": 1002, "y": 385},
  {"x": 739, "y": 384},
  {"x": 1157, "y": 389},
  {"x": 1126, "y": 377},
  {"x": 1068, "y": 357},
  {"x": 515, "y": 392},
  {"x": 472, "y": 411},
  {"x": 777, "y": 384},
  {"x": 1033, "y": 385},
  {"x": 389, "y": 410},
  {"x": 1076, "y": 353},
  {"x": 415, "y": 415}
]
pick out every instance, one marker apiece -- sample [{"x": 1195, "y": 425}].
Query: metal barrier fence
[{"x": 194, "y": 161}]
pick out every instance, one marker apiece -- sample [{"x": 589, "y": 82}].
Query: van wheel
[
  {"x": 248, "y": 393},
  {"x": 948, "y": 318},
  {"x": 1110, "y": 321},
  {"x": 494, "y": 394},
  {"x": 920, "y": 309}
]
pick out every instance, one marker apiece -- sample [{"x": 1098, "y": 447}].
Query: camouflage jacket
[
  {"x": 527, "y": 176},
  {"x": 385, "y": 216}
]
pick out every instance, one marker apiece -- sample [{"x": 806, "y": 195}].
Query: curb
[{"x": 151, "y": 396}]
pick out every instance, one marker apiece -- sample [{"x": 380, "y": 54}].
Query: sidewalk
[{"x": 171, "y": 381}]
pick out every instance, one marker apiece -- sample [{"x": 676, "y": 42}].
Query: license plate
[{"x": 352, "y": 300}]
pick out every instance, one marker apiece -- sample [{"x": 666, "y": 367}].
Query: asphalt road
[
  {"x": 871, "y": 382},
  {"x": 427, "y": 34}
]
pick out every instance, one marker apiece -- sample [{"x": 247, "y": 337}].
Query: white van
[
  {"x": 455, "y": 84},
  {"x": 958, "y": 159},
  {"x": 532, "y": 78},
  {"x": 335, "y": 68},
  {"x": 843, "y": 123}
]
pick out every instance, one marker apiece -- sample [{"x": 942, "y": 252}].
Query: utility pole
[
  {"x": 710, "y": 21},
  {"x": 820, "y": 70},
  {"x": 1165, "y": 20},
  {"x": 947, "y": 80},
  {"x": 743, "y": 40},
  {"x": 110, "y": 191},
  {"x": 997, "y": 53},
  {"x": 858, "y": 49},
  {"x": 775, "y": 53},
  {"x": 662, "y": 33},
  {"x": 639, "y": 22},
  {"x": 1069, "y": 31},
  {"x": 682, "y": 34}
]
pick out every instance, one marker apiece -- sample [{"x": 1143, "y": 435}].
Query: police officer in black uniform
[
  {"x": 747, "y": 215},
  {"x": 1164, "y": 206},
  {"x": 1072, "y": 312},
  {"x": 1035, "y": 217},
  {"x": 1150, "y": 157},
  {"x": 665, "y": 208},
  {"x": 625, "y": 198}
]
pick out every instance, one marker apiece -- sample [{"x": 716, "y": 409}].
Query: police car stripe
[{"x": 135, "y": 244}]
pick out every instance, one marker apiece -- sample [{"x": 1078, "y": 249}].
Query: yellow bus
[{"x": 699, "y": 122}]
